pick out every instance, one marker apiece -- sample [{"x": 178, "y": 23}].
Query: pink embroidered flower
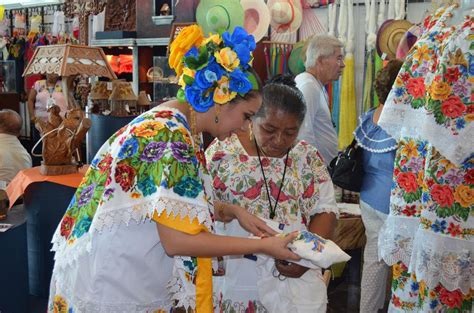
[
  {"x": 243, "y": 158},
  {"x": 218, "y": 155}
]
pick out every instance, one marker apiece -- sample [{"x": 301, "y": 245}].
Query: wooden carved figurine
[{"x": 61, "y": 140}]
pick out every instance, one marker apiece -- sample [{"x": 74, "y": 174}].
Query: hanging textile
[
  {"x": 336, "y": 100},
  {"x": 348, "y": 112},
  {"x": 369, "y": 67},
  {"x": 59, "y": 25},
  {"x": 311, "y": 24}
]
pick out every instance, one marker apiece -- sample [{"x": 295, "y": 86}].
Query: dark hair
[
  {"x": 385, "y": 79},
  {"x": 10, "y": 122},
  {"x": 280, "y": 93},
  {"x": 252, "y": 93}
]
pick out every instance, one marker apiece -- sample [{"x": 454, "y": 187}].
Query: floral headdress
[{"x": 214, "y": 69}]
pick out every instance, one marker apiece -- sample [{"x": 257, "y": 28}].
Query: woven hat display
[
  {"x": 256, "y": 18},
  {"x": 389, "y": 36},
  {"x": 295, "y": 61},
  {"x": 219, "y": 15},
  {"x": 99, "y": 91},
  {"x": 286, "y": 15},
  {"x": 123, "y": 91},
  {"x": 408, "y": 40}
]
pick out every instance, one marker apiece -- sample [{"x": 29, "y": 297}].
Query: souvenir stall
[{"x": 114, "y": 58}]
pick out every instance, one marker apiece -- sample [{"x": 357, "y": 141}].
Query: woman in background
[{"x": 378, "y": 155}]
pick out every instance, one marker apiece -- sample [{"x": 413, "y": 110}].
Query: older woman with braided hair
[
  {"x": 283, "y": 180},
  {"x": 138, "y": 234}
]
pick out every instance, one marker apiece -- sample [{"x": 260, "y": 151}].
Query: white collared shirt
[
  {"x": 318, "y": 128},
  {"x": 13, "y": 157}
]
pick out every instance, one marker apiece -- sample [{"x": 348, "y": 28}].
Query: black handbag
[{"x": 346, "y": 169}]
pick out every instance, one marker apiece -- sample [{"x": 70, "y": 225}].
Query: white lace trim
[
  {"x": 63, "y": 288},
  {"x": 442, "y": 259},
  {"x": 383, "y": 150},
  {"x": 395, "y": 242},
  {"x": 66, "y": 253}
]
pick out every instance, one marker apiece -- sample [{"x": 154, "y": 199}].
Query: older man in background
[
  {"x": 13, "y": 156},
  {"x": 324, "y": 63}
]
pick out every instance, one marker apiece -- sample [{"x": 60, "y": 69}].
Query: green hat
[
  {"x": 219, "y": 15},
  {"x": 295, "y": 61}
]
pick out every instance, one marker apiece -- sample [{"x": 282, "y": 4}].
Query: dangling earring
[
  {"x": 218, "y": 109},
  {"x": 250, "y": 132}
]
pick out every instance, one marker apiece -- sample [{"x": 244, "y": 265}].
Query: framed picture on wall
[{"x": 175, "y": 30}]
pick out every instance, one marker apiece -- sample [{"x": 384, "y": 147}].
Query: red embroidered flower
[
  {"x": 407, "y": 181},
  {"x": 289, "y": 162},
  {"x": 454, "y": 230},
  {"x": 469, "y": 176},
  {"x": 452, "y": 74},
  {"x": 416, "y": 87},
  {"x": 409, "y": 210},
  {"x": 201, "y": 157},
  {"x": 104, "y": 164},
  {"x": 124, "y": 176},
  {"x": 453, "y": 299},
  {"x": 243, "y": 158},
  {"x": 453, "y": 107},
  {"x": 218, "y": 155},
  {"x": 470, "y": 108},
  {"x": 396, "y": 301},
  {"x": 443, "y": 195},
  {"x": 108, "y": 180},
  {"x": 218, "y": 184},
  {"x": 66, "y": 225},
  {"x": 308, "y": 193},
  {"x": 164, "y": 114},
  {"x": 265, "y": 162},
  {"x": 405, "y": 76}
]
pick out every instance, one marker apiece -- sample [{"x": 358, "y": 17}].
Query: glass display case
[
  {"x": 165, "y": 83},
  {"x": 7, "y": 77}
]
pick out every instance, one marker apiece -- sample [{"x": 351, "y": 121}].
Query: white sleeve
[{"x": 327, "y": 200}]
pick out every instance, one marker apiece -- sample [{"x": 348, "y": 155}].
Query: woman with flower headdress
[{"x": 138, "y": 234}]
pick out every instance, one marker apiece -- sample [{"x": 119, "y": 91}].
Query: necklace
[{"x": 272, "y": 208}]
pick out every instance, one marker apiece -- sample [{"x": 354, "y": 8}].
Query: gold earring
[{"x": 250, "y": 132}]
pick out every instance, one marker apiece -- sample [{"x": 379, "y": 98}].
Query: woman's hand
[
  {"x": 277, "y": 247},
  {"x": 251, "y": 223},
  {"x": 291, "y": 270}
]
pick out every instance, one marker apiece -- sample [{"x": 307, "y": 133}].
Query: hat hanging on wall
[
  {"x": 219, "y": 15},
  {"x": 295, "y": 61},
  {"x": 256, "y": 18},
  {"x": 408, "y": 40},
  {"x": 286, "y": 15},
  {"x": 389, "y": 36}
]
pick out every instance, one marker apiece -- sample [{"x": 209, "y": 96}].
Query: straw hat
[
  {"x": 123, "y": 91},
  {"x": 286, "y": 15},
  {"x": 295, "y": 61},
  {"x": 408, "y": 40},
  {"x": 389, "y": 35},
  {"x": 256, "y": 18},
  {"x": 99, "y": 91},
  {"x": 219, "y": 15}
]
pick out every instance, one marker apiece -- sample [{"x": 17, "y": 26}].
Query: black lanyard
[{"x": 272, "y": 209}]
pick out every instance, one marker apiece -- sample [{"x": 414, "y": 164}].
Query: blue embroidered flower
[
  {"x": 180, "y": 151},
  {"x": 86, "y": 195},
  {"x": 425, "y": 197},
  {"x": 94, "y": 162},
  {"x": 82, "y": 227},
  {"x": 188, "y": 187},
  {"x": 460, "y": 123},
  {"x": 171, "y": 124},
  {"x": 147, "y": 186},
  {"x": 415, "y": 286},
  {"x": 438, "y": 226},
  {"x": 129, "y": 148},
  {"x": 200, "y": 100},
  {"x": 399, "y": 92},
  {"x": 153, "y": 151},
  {"x": 433, "y": 304},
  {"x": 239, "y": 82},
  {"x": 182, "y": 120},
  {"x": 137, "y": 120},
  {"x": 422, "y": 148}
]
